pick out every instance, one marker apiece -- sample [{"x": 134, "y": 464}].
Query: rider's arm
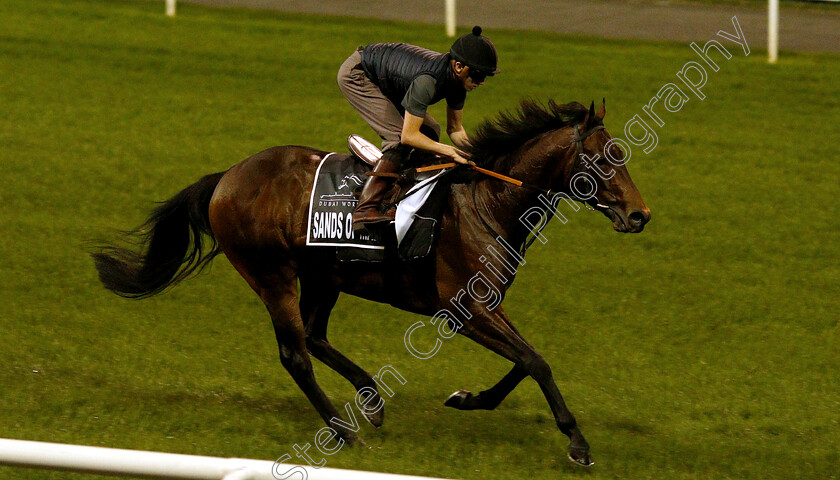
[
  {"x": 412, "y": 137},
  {"x": 417, "y": 99},
  {"x": 455, "y": 129}
]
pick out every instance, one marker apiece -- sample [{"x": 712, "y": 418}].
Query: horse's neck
[{"x": 502, "y": 204}]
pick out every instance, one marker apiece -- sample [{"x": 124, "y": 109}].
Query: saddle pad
[
  {"x": 410, "y": 207},
  {"x": 331, "y": 205}
]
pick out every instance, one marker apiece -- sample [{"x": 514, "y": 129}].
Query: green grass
[{"x": 705, "y": 347}]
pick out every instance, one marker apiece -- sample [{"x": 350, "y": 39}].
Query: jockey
[{"x": 391, "y": 85}]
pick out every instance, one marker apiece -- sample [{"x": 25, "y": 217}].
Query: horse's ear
[
  {"x": 602, "y": 111},
  {"x": 589, "y": 115}
]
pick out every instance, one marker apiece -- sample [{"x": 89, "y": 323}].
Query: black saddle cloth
[{"x": 333, "y": 199}]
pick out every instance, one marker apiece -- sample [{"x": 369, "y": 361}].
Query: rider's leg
[
  {"x": 369, "y": 101},
  {"x": 382, "y": 115},
  {"x": 368, "y": 210}
]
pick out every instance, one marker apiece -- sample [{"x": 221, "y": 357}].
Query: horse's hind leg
[
  {"x": 316, "y": 303},
  {"x": 279, "y": 293}
]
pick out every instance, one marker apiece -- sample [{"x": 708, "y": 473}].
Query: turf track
[{"x": 706, "y": 347}]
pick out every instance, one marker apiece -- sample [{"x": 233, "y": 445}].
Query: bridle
[{"x": 578, "y": 140}]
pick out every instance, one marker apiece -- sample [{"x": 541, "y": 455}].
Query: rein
[
  {"x": 489, "y": 173},
  {"x": 578, "y": 140}
]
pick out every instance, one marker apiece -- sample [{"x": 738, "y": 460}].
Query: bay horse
[{"x": 253, "y": 213}]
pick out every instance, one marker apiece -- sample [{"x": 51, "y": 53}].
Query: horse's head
[
  {"x": 597, "y": 174},
  {"x": 565, "y": 149}
]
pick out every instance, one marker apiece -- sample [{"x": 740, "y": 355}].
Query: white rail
[
  {"x": 170, "y": 466},
  {"x": 449, "y": 12},
  {"x": 772, "y": 30}
]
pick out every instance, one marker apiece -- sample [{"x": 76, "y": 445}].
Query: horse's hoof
[
  {"x": 353, "y": 440},
  {"x": 376, "y": 419},
  {"x": 459, "y": 400},
  {"x": 371, "y": 397},
  {"x": 348, "y": 437},
  {"x": 580, "y": 456}
]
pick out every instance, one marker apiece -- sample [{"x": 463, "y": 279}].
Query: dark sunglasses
[{"x": 477, "y": 76}]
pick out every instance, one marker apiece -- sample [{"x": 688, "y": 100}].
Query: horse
[{"x": 253, "y": 213}]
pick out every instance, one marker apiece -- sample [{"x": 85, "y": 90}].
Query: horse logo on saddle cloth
[{"x": 419, "y": 200}]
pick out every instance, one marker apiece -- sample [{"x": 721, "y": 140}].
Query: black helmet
[{"x": 476, "y": 52}]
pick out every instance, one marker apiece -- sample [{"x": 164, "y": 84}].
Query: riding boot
[{"x": 368, "y": 209}]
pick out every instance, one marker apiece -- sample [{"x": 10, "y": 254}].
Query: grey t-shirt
[{"x": 421, "y": 94}]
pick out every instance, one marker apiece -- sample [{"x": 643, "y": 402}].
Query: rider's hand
[{"x": 458, "y": 156}]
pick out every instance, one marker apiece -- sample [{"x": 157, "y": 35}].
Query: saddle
[
  {"x": 419, "y": 200},
  {"x": 403, "y": 180}
]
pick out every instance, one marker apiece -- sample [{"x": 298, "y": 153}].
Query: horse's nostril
[{"x": 637, "y": 218}]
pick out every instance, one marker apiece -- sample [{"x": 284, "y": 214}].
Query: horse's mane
[{"x": 510, "y": 130}]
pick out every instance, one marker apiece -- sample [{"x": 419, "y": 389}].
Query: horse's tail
[{"x": 171, "y": 245}]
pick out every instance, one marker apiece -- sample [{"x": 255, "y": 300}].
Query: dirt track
[{"x": 801, "y": 29}]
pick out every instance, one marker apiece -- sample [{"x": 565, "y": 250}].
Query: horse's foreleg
[
  {"x": 279, "y": 293},
  {"x": 492, "y": 330},
  {"x": 488, "y": 399},
  {"x": 316, "y": 303},
  {"x": 491, "y": 398}
]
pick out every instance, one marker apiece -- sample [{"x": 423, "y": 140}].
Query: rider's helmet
[{"x": 477, "y": 52}]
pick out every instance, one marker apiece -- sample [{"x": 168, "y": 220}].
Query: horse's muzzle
[{"x": 636, "y": 220}]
